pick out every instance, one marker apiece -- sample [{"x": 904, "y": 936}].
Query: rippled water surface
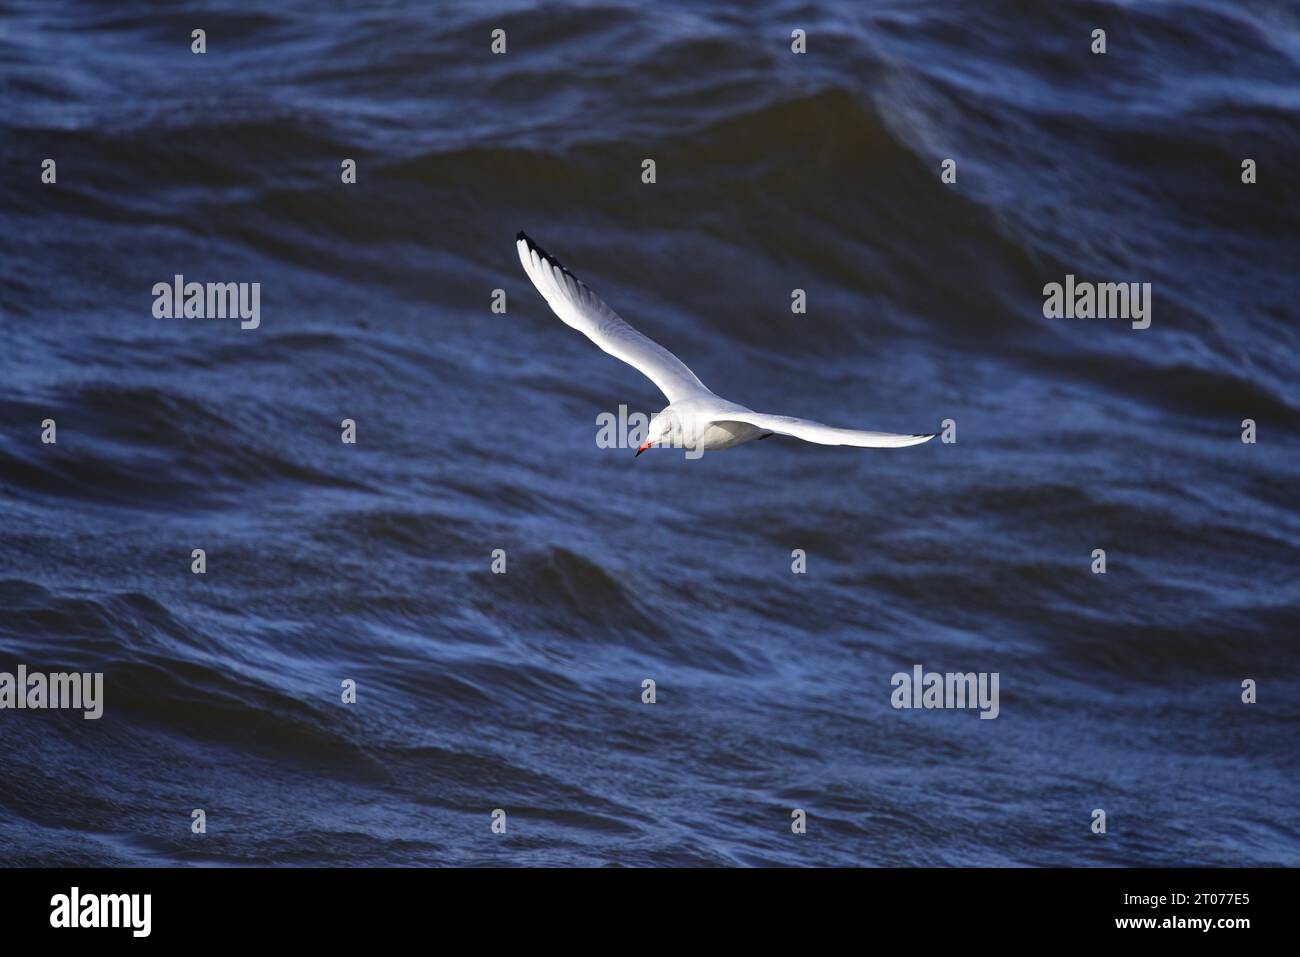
[{"x": 476, "y": 432}]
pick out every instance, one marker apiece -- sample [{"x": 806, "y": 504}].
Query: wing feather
[
  {"x": 582, "y": 309},
  {"x": 811, "y": 431}
]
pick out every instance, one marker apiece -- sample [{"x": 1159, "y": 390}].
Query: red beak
[{"x": 644, "y": 446}]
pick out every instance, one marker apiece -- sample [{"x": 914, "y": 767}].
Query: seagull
[{"x": 694, "y": 419}]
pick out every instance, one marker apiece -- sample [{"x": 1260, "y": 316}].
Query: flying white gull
[{"x": 695, "y": 418}]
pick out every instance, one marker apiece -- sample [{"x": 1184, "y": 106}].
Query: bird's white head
[{"x": 665, "y": 431}]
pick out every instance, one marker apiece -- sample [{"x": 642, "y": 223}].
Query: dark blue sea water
[{"x": 476, "y": 431}]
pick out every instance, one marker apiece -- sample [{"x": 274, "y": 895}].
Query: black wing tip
[
  {"x": 523, "y": 237},
  {"x": 533, "y": 245}
]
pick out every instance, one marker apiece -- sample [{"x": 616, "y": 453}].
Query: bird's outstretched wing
[
  {"x": 581, "y": 308},
  {"x": 824, "y": 434}
]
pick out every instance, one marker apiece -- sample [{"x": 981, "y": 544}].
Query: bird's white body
[
  {"x": 695, "y": 419},
  {"x": 703, "y": 423}
]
